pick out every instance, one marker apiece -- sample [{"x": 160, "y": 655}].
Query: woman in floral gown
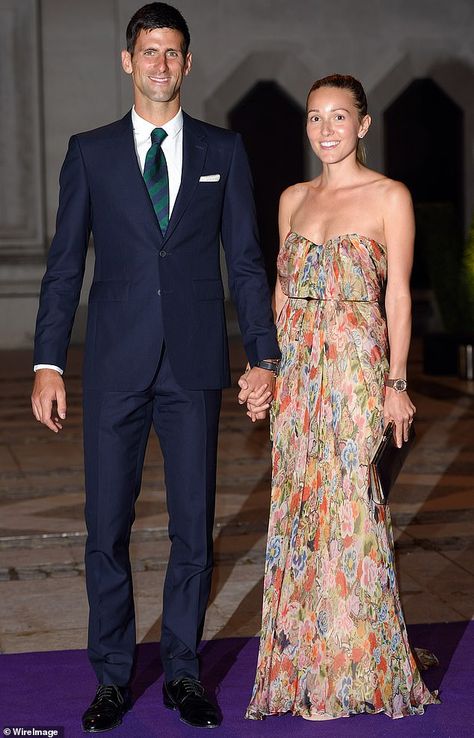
[{"x": 333, "y": 640}]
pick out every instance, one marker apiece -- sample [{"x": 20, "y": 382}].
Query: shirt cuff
[{"x": 47, "y": 366}]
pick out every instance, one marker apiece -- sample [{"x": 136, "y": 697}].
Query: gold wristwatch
[{"x": 399, "y": 385}]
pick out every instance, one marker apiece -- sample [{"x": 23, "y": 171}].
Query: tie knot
[{"x": 158, "y": 135}]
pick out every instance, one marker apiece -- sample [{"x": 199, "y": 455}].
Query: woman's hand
[
  {"x": 258, "y": 403},
  {"x": 399, "y": 408}
]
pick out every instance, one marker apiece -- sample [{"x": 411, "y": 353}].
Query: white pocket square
[{"x": 210, "y": 178}]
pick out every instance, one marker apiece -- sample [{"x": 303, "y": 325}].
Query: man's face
[{"x": 157, "y": 65}]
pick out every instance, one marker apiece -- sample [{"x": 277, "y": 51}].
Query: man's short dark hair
[{"x": 157, "y": 15}]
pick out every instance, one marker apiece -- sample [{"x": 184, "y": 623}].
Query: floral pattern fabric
[{"x": 333, "y": 637}]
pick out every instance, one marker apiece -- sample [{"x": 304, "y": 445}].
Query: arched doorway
[
  {"x": 424, "y": 144},
  {"x": 271, "y": 124}
]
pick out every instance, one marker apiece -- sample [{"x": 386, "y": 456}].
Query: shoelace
[
  {"x": 108, "y": 692},
  {"x": 191, "y": 686}
]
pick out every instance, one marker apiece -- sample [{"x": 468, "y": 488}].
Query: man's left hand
[{"x": 256, "y": 388}]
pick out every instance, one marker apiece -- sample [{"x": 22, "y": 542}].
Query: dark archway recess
[
  {"x": 272, "y": 127},
  {"x": 424, "y": 146}
]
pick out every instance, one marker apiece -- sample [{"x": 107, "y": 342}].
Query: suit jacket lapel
[{"x": 194, "y": 156}]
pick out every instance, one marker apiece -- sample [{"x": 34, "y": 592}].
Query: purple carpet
[{"x": 53, "y": 688}]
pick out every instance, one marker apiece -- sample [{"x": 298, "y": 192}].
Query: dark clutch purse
[{"x": 387, "y": 461}]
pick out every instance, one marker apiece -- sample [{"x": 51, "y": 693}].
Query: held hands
[
  {"x": 48, "y": 399},
  {"x": 399, "y": 408},
  {"x": 256, "y": 389}
]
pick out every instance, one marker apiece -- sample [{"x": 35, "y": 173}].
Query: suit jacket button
[
  {"x": 162, "y": 252},
  {"x": 158, "y": 292}
]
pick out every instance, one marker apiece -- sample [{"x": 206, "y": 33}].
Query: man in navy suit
[{"x": 158, "y": 190}]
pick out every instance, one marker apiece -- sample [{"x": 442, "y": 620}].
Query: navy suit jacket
[{"x": 149, "y": 288}]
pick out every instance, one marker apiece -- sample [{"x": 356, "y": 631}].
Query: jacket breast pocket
[
  {"x": 109, "y": 292},
  {"x": 208, "y": 289}
]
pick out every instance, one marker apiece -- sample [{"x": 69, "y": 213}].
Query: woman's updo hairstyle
[{"x": 346, "y": 82}]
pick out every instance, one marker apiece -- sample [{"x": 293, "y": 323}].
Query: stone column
[{"x": 22, "y": 238}]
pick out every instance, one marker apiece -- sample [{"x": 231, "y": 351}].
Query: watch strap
[{"x": 271, "y": 366}]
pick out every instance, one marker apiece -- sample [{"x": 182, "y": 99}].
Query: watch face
[{"x": 400, "y": 385}]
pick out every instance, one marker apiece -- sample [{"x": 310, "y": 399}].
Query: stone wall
[{"x": 61, "y": 73}]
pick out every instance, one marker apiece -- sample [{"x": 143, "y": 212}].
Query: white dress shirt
[{"x": 172, "y": 148}]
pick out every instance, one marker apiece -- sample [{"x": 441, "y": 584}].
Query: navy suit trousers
[{"x": 116, "y": 430}]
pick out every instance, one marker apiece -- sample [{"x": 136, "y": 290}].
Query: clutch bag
[{"x": 386, "y": 463}]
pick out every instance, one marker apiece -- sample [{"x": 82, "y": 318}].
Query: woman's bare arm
[
  {"x": 288, "y": 202},
  {"x": 399, "y": 229}
]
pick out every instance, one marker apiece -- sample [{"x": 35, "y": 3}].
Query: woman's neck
[{"x": 341, "y": 174}]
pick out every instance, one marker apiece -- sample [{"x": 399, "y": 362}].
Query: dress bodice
[{"x": 349, "y": 267}]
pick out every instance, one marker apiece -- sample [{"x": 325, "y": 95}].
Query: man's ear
[
  {"x": 127, "y": 62},
  {"x": 188, "y": 63}
]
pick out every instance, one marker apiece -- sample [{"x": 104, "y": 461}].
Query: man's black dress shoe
[
  {"x": 106, "y": 709},
  {"x": 187, "y": 696}
]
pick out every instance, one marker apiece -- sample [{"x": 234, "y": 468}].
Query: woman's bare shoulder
[
  {"x": 295, "y": 193},
  {"x": 386, "y": 187}
]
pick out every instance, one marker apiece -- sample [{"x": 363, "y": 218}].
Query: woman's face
[{"x": 333, "y": 125}]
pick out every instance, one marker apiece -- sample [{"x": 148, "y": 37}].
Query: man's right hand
[{"x": 48, "y": 399}]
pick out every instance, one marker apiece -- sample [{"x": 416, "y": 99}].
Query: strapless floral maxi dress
[{"x": 333, "y": 638}]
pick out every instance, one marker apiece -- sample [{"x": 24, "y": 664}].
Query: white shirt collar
[{"x": 142, "y": 128}]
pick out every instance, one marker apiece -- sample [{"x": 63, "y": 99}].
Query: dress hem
[{"x": 419, "y": 709}]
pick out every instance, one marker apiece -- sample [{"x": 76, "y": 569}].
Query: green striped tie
[{"x": 155, "y": 175}]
